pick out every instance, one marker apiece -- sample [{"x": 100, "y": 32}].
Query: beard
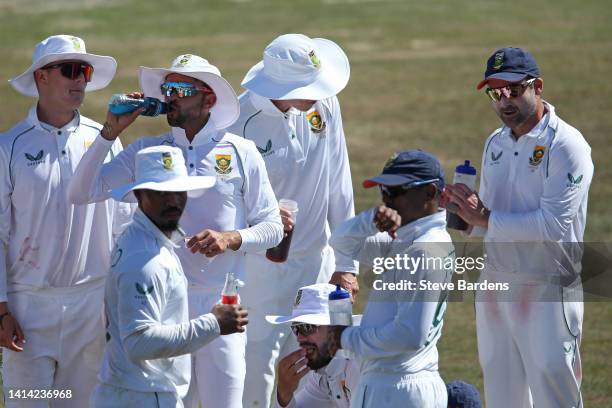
[
  {"x": 175, "y": 117},
  {"x": 322, "y": 356}
]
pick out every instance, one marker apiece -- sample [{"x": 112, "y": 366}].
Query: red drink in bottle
[{"x": 229, "y": 294}]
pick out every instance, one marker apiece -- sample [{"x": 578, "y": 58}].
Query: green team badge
[
  {"x": 144, "y": 289},
  {"x": 314, "y": 59},
  {"x": 536, "y": 157},
  {"x": 76, "y": 43},
  {"x": 390, "y": 161},
  {"x": 498, "y": 60},
  {"x": 167, "y": 161},
  {"x": 316, "y": 123},
  {"x": 224, "y": 163}
]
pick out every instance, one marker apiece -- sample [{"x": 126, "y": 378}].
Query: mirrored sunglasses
[
  {"x": 509, "y": 91},
  {"x": 304, "y": 329},
  {"x": 181, "y": 89},
  {"x": 72, "y": 70},
  {"x": 394, "y": 191}
]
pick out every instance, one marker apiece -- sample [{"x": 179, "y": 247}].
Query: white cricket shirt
[
  {"x": 398, "y": 334},
  {"x": 307, "y": 161},
  {"x": 242, "y": 198},
  {"x": 45, "y": 241},
  {"x": 149, "y": 335},
  {"x": 537, "y": 190}
]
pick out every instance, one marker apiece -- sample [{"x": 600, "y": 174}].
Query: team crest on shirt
[
  {"x": 537, "y": 156},
  {"x": 316, "y": 123},
  {"x": 35, "y": 160},
  {"x": 298, "y": 298},
  {"x": 498, "y": 61},
  {"x": 224, "y": 163},
  {"x": 167, "y": 161}
]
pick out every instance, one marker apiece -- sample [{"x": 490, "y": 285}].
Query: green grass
[{"x": 414, "y": 67}]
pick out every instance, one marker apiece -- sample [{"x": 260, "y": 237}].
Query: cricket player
[
  {"x": 536, "y": 173},
  {"x": 54, "y": 256},
  {"x": 328, "y": 381},
  {"x": 396, "y": 341},
  {"x": 238, "y": 215},
  {"x": 291, "y": 112},
  {"x": 149, "y": 334}
]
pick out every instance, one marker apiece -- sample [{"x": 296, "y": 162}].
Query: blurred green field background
[{"x": 414, "y": 67}]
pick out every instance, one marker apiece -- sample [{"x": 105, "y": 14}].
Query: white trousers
[
  {"x": 423, "y": 390},
  {"x": 217, "y": 369},
  {"x": 270, "y": 289},
  {"x": 108, "y": 396},
  {"x": 529, "y": 351},
  {"x": 64, "y": 334}
]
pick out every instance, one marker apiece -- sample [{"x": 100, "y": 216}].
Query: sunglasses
[
  {"x": 509, "y": 91},
  {"x": 394, "y": 191},
  {"x": 72, "y": 70},
  {"x": 182, "y": 89},
  {"x": 304, "y": 329}
]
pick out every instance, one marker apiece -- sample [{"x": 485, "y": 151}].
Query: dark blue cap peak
[{"x": 510, "y": 64}]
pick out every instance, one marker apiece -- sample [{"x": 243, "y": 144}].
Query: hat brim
[
  {"x": 194, "y": 186},
  {"x": 386, "y": 180},
  {"x": 332, "y": 78},
  {"x": 225, "y": 111},
  {"x": 319, "y": 319},
  {"x": 504, "y": 76},
  {"x": 104, "y": 71}
]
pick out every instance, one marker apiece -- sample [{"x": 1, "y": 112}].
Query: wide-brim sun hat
[
  {"x": 227, "y": 108},
  {"x": 62, "y": 48},
  {"x": 162, "y": 168},
  {"x": 295, "y": 66},
  {"x": 311, "y": 306}
]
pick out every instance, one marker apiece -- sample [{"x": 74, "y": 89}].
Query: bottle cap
[
  {"x": 465, "y": 168},
  {"x": 339, "y": 293}
]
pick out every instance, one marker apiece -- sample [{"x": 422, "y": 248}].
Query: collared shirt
[
  {"x": 328, "y": 387},
  {"x": 307, "y": 161},
  {"x": 46, "y": 242},
  {"x": 242, "y": 198},
  {"x": 398, "y": 332},
  {"x": 147, "y": 290},
  {"x": 537, "y": 190}
]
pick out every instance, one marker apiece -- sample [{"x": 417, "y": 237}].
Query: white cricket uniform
[
  {"x": 396, "y": 341},
  {"x": 149, "y": 335},
  {"x": 54, "y": 258},
  {"x": 307, "y": 161},
  {"x": 537, "y": 190},
  {"x": 241, "y": 199},
  {"x": 328, "y": 387}
]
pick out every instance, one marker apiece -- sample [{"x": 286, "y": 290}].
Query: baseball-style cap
[
  {"x": 60, "y": 48},
  {"x": 227, "y": 108},
  {"x": 162, "y": 168},
  {"x": 463, "y": 395},
  {"x": 295, "y": 66},
  {"x": 311, "y": 306},
  {"x": 411, "y": 168},
  {"x": 510, "y": 64}
]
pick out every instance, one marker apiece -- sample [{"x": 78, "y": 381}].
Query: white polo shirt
[
  {"x": 149, "y": 334},
  {"x": 537, "y": 190},
  {"x": 398, "y": 332},
  {"x": 45, "y": 241},
  {"x": 307, "y": 161},
  {"x": 242, "y": 198}
]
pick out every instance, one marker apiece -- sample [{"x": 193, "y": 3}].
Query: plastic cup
[{"x": 280, "y": 253}]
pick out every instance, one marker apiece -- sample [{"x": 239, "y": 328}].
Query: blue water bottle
[{"x": 121, "y": 104}]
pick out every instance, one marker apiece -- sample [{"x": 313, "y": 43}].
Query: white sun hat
[
  {"x": 297, "y": 67},
  {"x": 311, "y": 306},
  {"x": 226, "y": 109},
  {"x": 162, "y": 168},
  {"x": 65, "y": 47}
]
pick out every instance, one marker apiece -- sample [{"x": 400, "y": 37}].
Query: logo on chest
[
  {"x": 537, "y": 156},
  {"x": 316, "y": 123},
  {"x": 224, "y": 163},
  {"x": 266, "y": 151},
  {"x": 35, "y": 160},
  {"x": 496, "y": 156}
]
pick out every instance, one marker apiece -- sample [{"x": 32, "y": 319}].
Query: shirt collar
[
  {"x": 209, "y": 133},
  {"x": 68, "y": 127},
  {"x": 266, "y": 106},
  {"x": 141, "y": 219},
  {"x": 416, "y": 228}
]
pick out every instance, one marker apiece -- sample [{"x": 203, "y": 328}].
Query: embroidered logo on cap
[
  {"x": 314, "y": 59},
  {"x": 224, "y": 162},
  {"x": 498, "y": 62},
  {"x": 390, "y": 161},
  {"x": 316, "y": 124},
  {"x": 76, "y": 43},
  {"x": 298, "y": 297},
  {"x": 184, "y": 60},
  {"x": 167, "y": 161}
]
